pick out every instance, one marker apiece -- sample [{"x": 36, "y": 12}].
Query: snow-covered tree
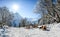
[
  {"x": 6, "y": 16},
  {"x": 50, "y": 10}
]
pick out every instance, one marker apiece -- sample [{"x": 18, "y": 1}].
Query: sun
[{"x": 15, "y": 7}]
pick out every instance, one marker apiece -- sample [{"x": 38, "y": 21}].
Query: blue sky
[{"x": 25, "y": 7}]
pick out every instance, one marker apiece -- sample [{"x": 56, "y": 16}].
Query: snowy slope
[{"x": 35, "y": 32}]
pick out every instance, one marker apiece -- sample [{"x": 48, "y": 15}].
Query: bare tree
[{"x": 23, "y": 22}]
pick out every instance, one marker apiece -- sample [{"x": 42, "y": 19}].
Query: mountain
[
  {"x": 33, "y": 20},
  {"x": 16, "y": 19}
]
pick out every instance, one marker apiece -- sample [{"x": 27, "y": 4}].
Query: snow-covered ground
[{"x": 35, "y": 32}]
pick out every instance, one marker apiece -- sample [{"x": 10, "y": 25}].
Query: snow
[{"x": 35, "y": 32}]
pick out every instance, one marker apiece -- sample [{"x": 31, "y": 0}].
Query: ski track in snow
[{"x": 35, "y": 32}]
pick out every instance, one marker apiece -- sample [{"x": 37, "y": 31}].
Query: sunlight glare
[{"x": 15, "y": 7}]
